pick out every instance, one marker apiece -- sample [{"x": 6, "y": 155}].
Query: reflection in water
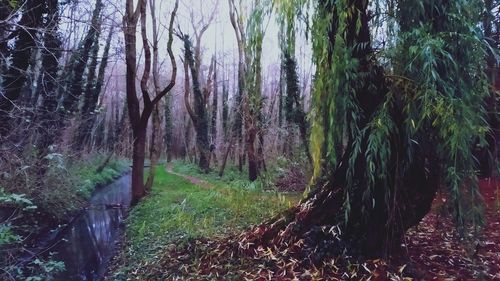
[{"x": 87, "y": 243}]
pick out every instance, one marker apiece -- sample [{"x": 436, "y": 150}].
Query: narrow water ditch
[{"x": 86, "y": 244}]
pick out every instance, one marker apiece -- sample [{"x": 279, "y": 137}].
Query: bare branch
[
  {"x": 147, "y": 57},
  {"x": 170, "y": 54}
]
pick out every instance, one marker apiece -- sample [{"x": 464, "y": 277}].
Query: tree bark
[
  {"x": 225, "y": 109},
  {"x": 75, "y": 87},
  {"x": 253, "y": 163},
  {"x": 139, "y": 120},
  {"x": 294, "y": 109},
  {"x": 91, "y": 96},
  {"x": 238, "y": 119},
  {"x": 168, "y": 128},
  {"x": 154, "y": 149},
  {"x": 213, "y": 126},
  {"x": 322, "y": 220},
  {"x": 47, "y": 115},
  {"x": 24, "y": 45},
  {"x": 199, "y": 114},
  {"x": 224, "y": 159},
  {"x": 138, "y": 156}
]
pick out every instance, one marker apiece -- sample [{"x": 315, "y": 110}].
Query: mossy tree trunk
[
  {"x": 371, "y": 221},
  {"x": 294, "y": 108},
  {"x": 213, "y": 125},
  {"x": 198, "y": 114}
]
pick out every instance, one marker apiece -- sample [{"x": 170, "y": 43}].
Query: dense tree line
[{"x": 36, "y": 88}]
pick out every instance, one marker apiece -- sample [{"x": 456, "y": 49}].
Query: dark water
[{"x": 86, "y": 245}]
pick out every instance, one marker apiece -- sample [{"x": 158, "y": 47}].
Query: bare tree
[
  {"x": 139, "y": 120},
  {"x": 79, "y": 64},
  {"x": 92, "y": 92},
  {"x": 192, "y": 62},
  {"x": 155, "y": 143},
  {"x": 47, "y": 112}
]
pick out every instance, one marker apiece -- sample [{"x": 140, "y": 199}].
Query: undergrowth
[
  {"x": 234, "y": 178},
  {"x": 178, "y": 211},
  {"x": 32, "y": 206}
]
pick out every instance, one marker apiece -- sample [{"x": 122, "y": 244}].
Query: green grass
[
  {"x": 177, "y": 210},
  {"x": 67, "y": 189},
  {"x": 88, "y": 179},
  {"x": 232, "y": 176},
  {"x": 65, "y": 186}
]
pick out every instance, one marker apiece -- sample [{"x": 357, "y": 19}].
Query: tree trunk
[
  {"x": 15, "y": 77},
  {"x": 139, "y": 133},
  {"x": 138, "y": 156},
  {"x": 226, "y": 155},
  {"x": 225, "y": 110},
  {"x": 294, "y": 109},
  {"x": 262, "y": 160},
  {"x": 336, "y": 217},
  {"x": 238, "y": 27},
  {"x": 46, "y": 115},
  {"x": 139, "y": 120},
  {"x": 75, "y": 88},
  {"x": 168, "y": 127},
  {"x": 213, "y": 125},
  {"x": 199, "y": 114},
  {"x": 253, "y": 163},
  {"x": 154, "y": 149},
  {"x": 92, "y": 92}
]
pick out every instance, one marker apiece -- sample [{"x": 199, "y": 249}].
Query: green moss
[{"x": 87, "y": 178}]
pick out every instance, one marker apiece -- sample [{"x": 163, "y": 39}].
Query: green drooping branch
[{"x": 442, "y": 51}]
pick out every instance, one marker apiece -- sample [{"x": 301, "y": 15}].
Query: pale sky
[{"x": 219, "y": 36}]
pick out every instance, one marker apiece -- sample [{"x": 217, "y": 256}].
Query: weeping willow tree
[{"x": 389, "y": 128}]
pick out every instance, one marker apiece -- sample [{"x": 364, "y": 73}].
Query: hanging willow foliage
[
  {"x": 433, "y": 58},
  {"x": 441, "y": 51}
]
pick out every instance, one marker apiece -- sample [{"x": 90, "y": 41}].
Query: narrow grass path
[
  {"x": 181, "y": 208},
  {"x": 191, "y": 179}
]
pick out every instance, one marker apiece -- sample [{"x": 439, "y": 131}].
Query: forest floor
[
  {"x": 440, "y": 254},
  {"x": 188, "y": 215},
  {"x": 182, "y": 208}
]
